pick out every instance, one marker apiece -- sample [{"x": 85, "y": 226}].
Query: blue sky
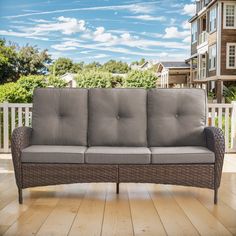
[{"x": 101, "y": 30}]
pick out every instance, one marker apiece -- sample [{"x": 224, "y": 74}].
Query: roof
[{"x": 175, "y": 64}]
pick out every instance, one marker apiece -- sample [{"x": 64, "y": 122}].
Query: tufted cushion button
[
  {"x": 176, "y": 115},
  {"x": 117, "y": 117}
]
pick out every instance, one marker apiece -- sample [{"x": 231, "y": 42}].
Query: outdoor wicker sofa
[{"x": 118, "y": 135}]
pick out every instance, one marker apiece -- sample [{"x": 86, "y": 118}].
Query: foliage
[
  {"x": 140, "y": 79},
  {"x": 93, "y": 66},
  {"x": 8, "y": 62},
  {"x": 16, "y": 61},
  {"x": 22, "y": 90},
  {"x": 56, "y": 82},
  {"x": 61, "y": 66},
  {"x": 230, "y": 93},
  {"x": 94, "y": 79},
  {"x": 139, "y": 63},
  {"x": 31, "y": 61},
  {"x": 116, "y": 67}
]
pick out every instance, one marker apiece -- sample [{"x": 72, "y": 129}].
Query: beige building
[{"x": 213, "y": 45}]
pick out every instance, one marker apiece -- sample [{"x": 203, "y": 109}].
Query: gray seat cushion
[
  {"x": 176, "y": 117},
  {"x": 182, "y": 155},
  {"x": 117, "y": 117},
  {"x": 118, "y": 155},
  {"x": 60, "y": 117},
  {"x": 53, "y": 154}
]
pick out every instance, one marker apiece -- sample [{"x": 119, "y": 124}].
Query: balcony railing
[
  {"x": 203, "y": 37},
  {"x": 202, "y": 74},
  {"x": 13, "y": 115}
]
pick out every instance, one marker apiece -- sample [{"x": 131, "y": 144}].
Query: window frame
[
  {"x": 211, "y": 58},
  {"x": 214, "y": 8},
  {"x": 227, "y": 56},
  {"x": 225, "y": 6},
  {"x": 195, "y": 33}
]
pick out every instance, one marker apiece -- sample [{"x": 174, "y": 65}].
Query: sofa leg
[
  {"x": 20, "y": 195},
  {"x": 215, "y": 196},
  {"x": 117, "y": 188}
]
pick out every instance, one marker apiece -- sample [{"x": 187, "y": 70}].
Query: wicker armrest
[
  {"x": 20, "y": 139},
  {"x": 216, "y": 143}
]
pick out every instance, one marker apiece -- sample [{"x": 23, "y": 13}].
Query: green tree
[
  {"x": 116, "y": 67},
  {"x": 31, "y": 61},
  {"x": 92, "y": 66},
  {"x": 230, "y": 93},
  {"x": 140, "y": 79},
  {"x": 8, "y": 62},
  {"x": 77, "y": 67},
  {"x": 61, "y": 66}
]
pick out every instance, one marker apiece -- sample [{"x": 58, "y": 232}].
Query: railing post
[
  {"x": 233, "y": 127},
  {"x": 5, "y": 127}
]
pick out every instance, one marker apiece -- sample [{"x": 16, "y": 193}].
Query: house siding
[{"x": 227, "y": 36}]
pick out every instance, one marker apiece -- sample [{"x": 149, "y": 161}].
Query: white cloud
[
  {"x": 101, "y": 36},
  {"x": 64, "y": 25},
  {"x": 147, "y": 17},
  {"x": 186, "y": 25},
  {"x": 98, "y": 56},
  {"x": 189, "y": 9},
  {"x": 143, "y": 8},
  {"x": 173, "y": 32},
  {"x": 187, "y": 39}
]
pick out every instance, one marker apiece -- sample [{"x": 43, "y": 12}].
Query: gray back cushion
[
  {"x": 60, "y": 116},
  {"x": 117, "y": 117},
  {"x": 176, "y": 117}
]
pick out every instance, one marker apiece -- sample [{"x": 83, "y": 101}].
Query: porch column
[{"x": 219, "y": 91}]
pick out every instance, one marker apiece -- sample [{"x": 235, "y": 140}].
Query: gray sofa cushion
[
  {"x": 117, "y": 117},
  {"x": 60, "y": 117},
  {"x": 181, "y": 155},
  {"x": 53, "y": 154},
  {"x": 118, "y": 155},
  {"x": 176, "y": 117}
]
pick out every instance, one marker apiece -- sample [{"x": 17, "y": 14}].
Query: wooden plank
[
  {"x": 146, "y": 220},
  {"x": 91, "y": 210},
  {"x": 203, "y": 221},
  {"x": 225, "y": 214},
  {"x": 61, "y": 218},
  {"x": 172, "y": 216},
  {"x": 117, "y": 217},
  {"x": 31, "y": 220},
  {"x": 213, "y": 111}
]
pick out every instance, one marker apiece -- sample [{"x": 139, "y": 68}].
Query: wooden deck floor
[{"x": 139, "y": 209}]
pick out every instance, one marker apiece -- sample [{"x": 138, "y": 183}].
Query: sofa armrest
[
  {"x": 216, "y": 143},
  {"x": 20, "y": 139}
]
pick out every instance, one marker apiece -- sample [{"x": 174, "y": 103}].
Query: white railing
[
  {"x": 14, "y": 115},
  {"x": 203, "y": 37}
]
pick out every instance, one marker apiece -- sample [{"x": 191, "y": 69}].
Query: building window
[
  {"x": 229, "y": 15},
  {"x": 213, "y": 19},
  {"x": 212, "y": 57},
  {"x": 231, "y": 56},
  {"x": 194, "y": 32}
]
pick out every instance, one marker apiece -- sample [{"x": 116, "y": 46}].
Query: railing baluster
[
  {"x": 227, "y": 128},
  {"x": 26, "y": 116},
  {"x": 213, "y": 110},
  {"x": 13, "y": 118},
  {"x": 19, "y": 116},
  {"x": 220, "y": 117}
]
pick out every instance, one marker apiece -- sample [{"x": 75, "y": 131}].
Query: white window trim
[
  {"x": 213, "y": 68},
  {"x": 196, "y": 33},
  {"x": 212, "y": 31},
  {"x": 229, "y": 27},
  {"x": 227, "y": 56}
]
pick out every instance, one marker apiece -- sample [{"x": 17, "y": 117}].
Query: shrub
[
  {"x": 94, "y": 79},
  {"x": 140, "y": 79},
  {"x": 22, "y": 90}
]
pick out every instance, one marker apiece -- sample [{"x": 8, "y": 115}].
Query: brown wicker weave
[{"x": 197, "y": 175}]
